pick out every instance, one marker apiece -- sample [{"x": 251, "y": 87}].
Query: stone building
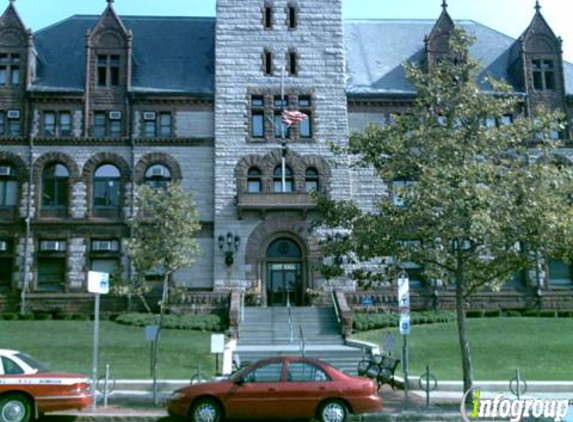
[{"x": 92, "y": 106}]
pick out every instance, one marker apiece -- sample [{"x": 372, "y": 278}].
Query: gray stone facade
[{"x": 204, "y": 105}]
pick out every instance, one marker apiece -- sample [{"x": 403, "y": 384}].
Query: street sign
[
  {"x": 403, "y": 291},
  {"x": 404, "y": 324},
  {"x": 151, "y": 332},
  {"x": 98, "y": 282},
  {"x": 217, "y": 343}
]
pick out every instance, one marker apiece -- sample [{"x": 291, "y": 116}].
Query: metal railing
[
  {"x": 302, "y": 345},
  {"x": 289, "y": 318},
  {"x": 335, "y": 304}
]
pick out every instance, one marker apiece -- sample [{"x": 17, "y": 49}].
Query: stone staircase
[{"x": 265, "y": 332}]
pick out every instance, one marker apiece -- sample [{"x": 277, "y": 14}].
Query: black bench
[{"x": 379, "y": 368}]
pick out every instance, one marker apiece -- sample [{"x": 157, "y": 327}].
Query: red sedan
[
  {"x": 279, "y": 388},
  {"x": 28, "y": 389}
]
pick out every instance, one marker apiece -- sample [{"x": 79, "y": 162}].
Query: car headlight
[{"x": 177, "y": 395}]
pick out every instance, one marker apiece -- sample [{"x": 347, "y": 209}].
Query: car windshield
[{"x": 32, "y": 363}]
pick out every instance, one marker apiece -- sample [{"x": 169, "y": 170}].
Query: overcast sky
[{"x": 510, "y": 17}]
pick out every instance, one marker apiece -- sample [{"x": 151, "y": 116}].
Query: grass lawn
[
  {"x": 67, "y": 345},
  {"x": 542, "y": 348}
]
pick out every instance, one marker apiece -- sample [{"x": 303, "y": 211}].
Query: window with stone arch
[
  {"x": 278, "y": 180},
  {"x": 55, "y": 186},
  {"x": 106, "y": 191},
  {"x": 8, "y": 186},
  {"x": 157, "y": 176},
  {"x": 312, "y": 180},
  {"x": 254, "y": 180}
]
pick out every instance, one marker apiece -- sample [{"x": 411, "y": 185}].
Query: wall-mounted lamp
[{"x": 231, "y": 244}]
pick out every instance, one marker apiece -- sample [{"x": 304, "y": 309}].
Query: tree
[
  {"x": 471, "y": 202},
  {"x": 163, "y": 241}
]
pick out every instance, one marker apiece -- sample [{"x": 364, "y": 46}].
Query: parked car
[
  {"x": 28, "y": 389},
  {"x": 278, "y": 388}
]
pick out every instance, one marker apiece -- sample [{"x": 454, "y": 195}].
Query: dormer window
[
  {"x": 10, "y": 69},
  {"x": 543, "y": 75},
  {"x": 108, "y": 69}
]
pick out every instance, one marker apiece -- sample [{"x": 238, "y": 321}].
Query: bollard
[
  {"x": 518, "y": 382},
  {"x": 424, "y": 384},
  {"x": 427, "y": 385},
  {"x": 520, "y": 385},
  {"x": 106, "y": 386}
]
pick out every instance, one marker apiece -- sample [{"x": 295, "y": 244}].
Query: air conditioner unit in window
[
  {"x": 149, "y": 115},
  {"x": 5, "y": 171},
  {"x": 13, "y": 114},
  {"x": 115, "y": 115},
  {"x": 104, "y": 245},
  {"x": 3, "y": 246},
  {"x": 158, "y": 172},
  {"x": 53, "y": 246}
]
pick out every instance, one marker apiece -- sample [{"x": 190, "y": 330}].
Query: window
[
  {"x": 280, "y": 104},
  {"x": 8, "y": 186},
  {"x": 55, "y": 186},
  {"x": 268, "y": 17},
  {"x": 11, "y": 367},
  {"x": 165, "y": 125},
  {"x": 268, "y": 63},
  {"x": 292, "y": 17},
  {"x": 305, "y": 372},
  {"x": 292, "y": 63},
  {"x": 57, "y": 124},
  {"x": 107, "y": 124},
  {"x": 399, "y": 188},
  {"x": 312, "y": 180},
  {"x": 10, "y": 123},
  {"x": 559, "y": 273},
  {"x": 257, "y": 116},
  {"x": 106, "y": 190},
  {"x": 271, "y": 372},
  {"x": 104, "y": 256},
  {"x": 254, "y": 180},
  {"x": 157, "y": 176},
  {"x": 6, "y": 264},
  {"x": 52, "y": 265},
  {"x": 278, "y": 180},
  {"x": 108, "y": 70},
  {"x": 9, "y": 69},
  {"x": 543, "y": 75},
  {"x": 305, "y": 127},
  {"x": 506, "y": 119}
]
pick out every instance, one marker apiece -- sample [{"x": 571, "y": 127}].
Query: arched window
[
  {"x": 8, "y": 186},
  {"x": 312, "y": 179},
  {"x": 157, "y": 176},
  {"x": 254, "y": 180},
  {"x": 106, "y": 190},
  {"x": 278, "y": 180},
  {"x": 55, "y": 186}
]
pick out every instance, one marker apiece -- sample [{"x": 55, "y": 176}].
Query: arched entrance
[{"x": 284, "y": 273}]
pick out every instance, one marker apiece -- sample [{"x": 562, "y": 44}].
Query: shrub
[
  {"x": 366, "y": 322},
  {"x": 548, "y": 314},
  {"x": 181, "y": 322},
  {"x": 493, "y": 313},
  {"x": 42, "y": 316},
  {"x": 10, "y": 316},
  {"x": 565, "y": 314},
  {"x": 531, "y": 313},
  {"x": 475, "y": 314},
  {"x": 513, "y": 313}
]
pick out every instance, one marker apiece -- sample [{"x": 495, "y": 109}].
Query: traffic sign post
[
  {"x": 217, "y": 347},
  {"x": 98, "y": 283},
  {"x": 404, "y": 307}
]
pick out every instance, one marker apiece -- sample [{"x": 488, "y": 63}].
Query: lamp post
[{"x": 231, "y": 243}]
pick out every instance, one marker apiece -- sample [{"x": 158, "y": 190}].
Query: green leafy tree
[
  {"x": 469, "y": 201},
  {"x": 163, "y": 241}
]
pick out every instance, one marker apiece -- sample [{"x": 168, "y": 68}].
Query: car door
[
  {"x": 258, "y": 394},
  {"x": 305, "y": 387}
]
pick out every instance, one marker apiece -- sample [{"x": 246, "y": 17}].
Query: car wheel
[
  {"x": 15, "y": 408},
  {"x": 206, "y": 410},
  {"x": 332, "y": 411}
]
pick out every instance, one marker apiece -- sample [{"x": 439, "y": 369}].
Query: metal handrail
[
  {"x": 289, "y": 318},
  {"x": 302, "y": 345},
  {"x": 335, "y": 304}
]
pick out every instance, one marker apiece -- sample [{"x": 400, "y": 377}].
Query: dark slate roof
[
  {"x": 376, "y": 50},
  {"x": 170, "y": 54},
  {"x": 177, "y": 54}
]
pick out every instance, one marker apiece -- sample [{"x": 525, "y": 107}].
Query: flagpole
[{"x": 284, "y": 146}]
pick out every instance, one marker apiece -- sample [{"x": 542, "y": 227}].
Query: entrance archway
[{"x": 284, "y": 273}]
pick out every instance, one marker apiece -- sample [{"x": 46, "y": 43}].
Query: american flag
[{"x": 291, "y": 117}]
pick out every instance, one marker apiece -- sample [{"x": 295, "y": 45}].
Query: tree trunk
[
  {"x": 467, "y": 366},
  {"x": 162, "y": 305}
]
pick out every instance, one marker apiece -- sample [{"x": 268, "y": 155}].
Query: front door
[
  {"x": 284, "y": 279},
  {"x": 284, "y": 273}
]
